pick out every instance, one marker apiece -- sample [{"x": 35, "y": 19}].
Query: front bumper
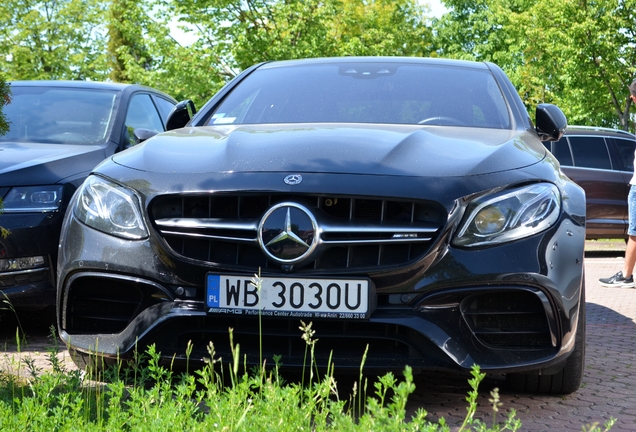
[
  {"x": 30, "y": 235},
  {"x": 510, "y": 308}
]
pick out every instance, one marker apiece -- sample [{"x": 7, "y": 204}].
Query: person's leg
[
  {"x": 625, "y": 278},
  {"x": 630, "y": 251},
  {"x": 630, "y": 257}
]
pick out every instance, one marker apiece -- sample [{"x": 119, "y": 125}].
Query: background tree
[
  {"x": 141, "y": 50},
  {"x": 577, "y": 54},
  {"x": 382, "y": 27},
  {"x": 598, "y": 60},
  {"x": 126, "y": 41},
  {"x": 235, "y": 34},
  {"x": 44, "y": 39},
  {"x": 5, "y": 99}
]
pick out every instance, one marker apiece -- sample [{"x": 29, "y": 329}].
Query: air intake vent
[
  {"x": 104, "y": 305},
  {"x": 508, "y": 320}
]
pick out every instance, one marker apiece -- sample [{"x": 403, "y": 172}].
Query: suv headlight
[
  {"x": 110, "y": 208},
  {"x": 31, "y": 199},
  {"x": 509, "y": 215}
]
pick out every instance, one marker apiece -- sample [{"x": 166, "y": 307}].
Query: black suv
[{"x": 601, "y": 161}]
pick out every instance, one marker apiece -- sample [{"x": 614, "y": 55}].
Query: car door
[{"x": 592, "y": 167}]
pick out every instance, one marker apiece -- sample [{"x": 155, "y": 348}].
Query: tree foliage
[
  {"x": 241, "y": 33},
  {"x": 235, "y": 34},
  {"x": 44, "y": 39},
  {"x": 126, "y": 42},
  {"x": 5, "y": 98},
  {"x": 578, "y": 54}
]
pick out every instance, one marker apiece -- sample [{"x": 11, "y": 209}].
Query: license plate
[{"x": 288, "y": 297}]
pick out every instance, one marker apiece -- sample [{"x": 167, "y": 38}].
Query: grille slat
[{"x": 356, "y": 233}]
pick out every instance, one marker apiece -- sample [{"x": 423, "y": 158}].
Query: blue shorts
[{"x": 631, "y": 210}]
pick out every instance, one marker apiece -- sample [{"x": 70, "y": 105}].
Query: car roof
[
  {"x": 69, "y": 83},
  {"x": 113, "y": 86},
  {"x": 400, "y": 60},
  {"x": 598, "y": 131}
]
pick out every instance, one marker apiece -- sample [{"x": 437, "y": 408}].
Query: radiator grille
[{"x": 357, "y": 233}]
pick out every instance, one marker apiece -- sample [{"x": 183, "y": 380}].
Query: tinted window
[
  {"x": 367, "y": 93},
  {"x": 561, "y": 150},
  {"x": 142, "y": 113},
  {"x": 590, "y": 152},
  {"x": 626, "y": 153},
  {"x": 59, "y": 115}
]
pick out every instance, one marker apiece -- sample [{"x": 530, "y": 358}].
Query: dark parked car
[
  {"x": 601, "y": 161},
  {"x": 403, "y": 203},
  {"x": 59, "y": 131}
]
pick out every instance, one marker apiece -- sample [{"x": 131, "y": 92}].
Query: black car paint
[
  {"x": 34, "y": 164},
  {"x": 386, "y": 150},
  {"x": 424, "y": 296}
]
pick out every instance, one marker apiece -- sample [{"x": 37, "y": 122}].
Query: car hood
[
  {"x": 27, "y": 164},
  {"x": 352, "y": 149}
]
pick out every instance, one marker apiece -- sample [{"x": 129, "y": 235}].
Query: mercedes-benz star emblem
[
  {"x": 293, "y": 179},
  {"x": 287, "y": 233}
]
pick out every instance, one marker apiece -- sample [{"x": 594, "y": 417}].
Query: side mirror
[
  {"x": 140, "y": 135},
  {"x": 551, "y": 122},
  {"x": 180, "y": 115}
]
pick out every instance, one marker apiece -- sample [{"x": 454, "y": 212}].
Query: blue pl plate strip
[{"x": 214, "y": 290}]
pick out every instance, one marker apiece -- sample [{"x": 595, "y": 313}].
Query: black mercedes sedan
[
  {"x": 59, "y": 131},
  {"x": 405, "y": 207}
]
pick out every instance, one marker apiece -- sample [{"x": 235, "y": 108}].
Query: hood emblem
[
  {"x": 287, "y": 233},
  {"x": 293, "y": 179}
]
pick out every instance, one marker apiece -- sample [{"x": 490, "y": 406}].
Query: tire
[
  {"x": 568, "y": 379},
  {"x": 82, "y": 360}
]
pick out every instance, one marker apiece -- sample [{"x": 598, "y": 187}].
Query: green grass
[{"x": 144, "y": 396}]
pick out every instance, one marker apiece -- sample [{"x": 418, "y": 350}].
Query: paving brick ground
[{"x": 609, "y": 384}]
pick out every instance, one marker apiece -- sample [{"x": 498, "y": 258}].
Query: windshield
[
  {"x": 367, "y": 93},
  {"x": 59, "y": 115}
]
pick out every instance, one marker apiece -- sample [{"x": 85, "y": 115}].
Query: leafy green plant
[{"x": 158, "y": 399}]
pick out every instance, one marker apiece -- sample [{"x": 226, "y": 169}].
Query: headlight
[
  {"x": 510, "y": 215},
  {"x": 110, "y": 208},
  {"x": 33, "y": 199}
]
